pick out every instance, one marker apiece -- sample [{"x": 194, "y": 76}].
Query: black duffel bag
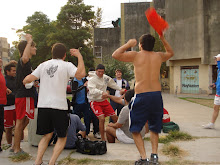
[{"x": 89, "y": 147}]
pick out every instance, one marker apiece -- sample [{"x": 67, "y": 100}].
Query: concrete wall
[
  {"x": 185, "y": 33},
  {"x": 212, "y": 31},
  {"x": 109, "y": 39},
  {"x": 134, "y": 20},
  {"x": 4, "y": 50},
  {"x": 195, "y": 24}
]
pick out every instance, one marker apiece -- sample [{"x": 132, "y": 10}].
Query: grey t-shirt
[
  {"x": 75, "y": 124},
  {"x": 124, "y": 119}
]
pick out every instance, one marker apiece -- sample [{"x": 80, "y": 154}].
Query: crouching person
[{"x": 120, "y": 129}]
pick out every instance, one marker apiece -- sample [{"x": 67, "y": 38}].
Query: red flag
[{"x": 156, "y": 21}]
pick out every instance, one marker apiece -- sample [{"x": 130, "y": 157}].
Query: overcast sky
[{"x": 13, "y": 13}]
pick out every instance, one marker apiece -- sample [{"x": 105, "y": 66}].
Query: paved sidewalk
[{"x": 189, "y": 116}]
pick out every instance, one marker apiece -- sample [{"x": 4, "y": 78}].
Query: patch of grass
[
  {"x": 83, "y": 161},
  {"x": 173, "y": 136},
  {"x": 177, "y": 161},
  {"x": 201, "y": 101},
  {"x": 66, "y": 160},
  {"x": 69, "y": 161},
  {"x": 172, "y": 150},
  {"x": 164, "y": 139},
  {"x": 178, "y": 135},
  {"x": 5, "y": 146},
  {"x": 19, "y": 158}
]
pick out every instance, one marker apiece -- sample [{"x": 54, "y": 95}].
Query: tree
[
  {"x": 158, "y": 47},
  {"x": 126, "y": 68},
  {"x": 73, "y": 30},
  {"x": 39, "y": 26}
]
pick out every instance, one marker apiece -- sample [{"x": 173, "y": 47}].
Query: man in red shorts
[
  {"x": 24, "y": 98},
  {"x": 9, "y": 109},
  {"x": 97, "y": 86}
]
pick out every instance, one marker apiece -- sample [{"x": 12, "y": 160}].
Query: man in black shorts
[{"x": 53, "y": 113}]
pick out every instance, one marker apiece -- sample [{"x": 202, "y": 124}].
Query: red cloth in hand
[{"x": 156, "y": 21}]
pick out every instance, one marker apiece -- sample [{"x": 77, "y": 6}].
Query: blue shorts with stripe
[{"x": 146, "y": 107}]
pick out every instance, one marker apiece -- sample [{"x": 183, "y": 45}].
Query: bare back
[{"x": 147, "y": 71}]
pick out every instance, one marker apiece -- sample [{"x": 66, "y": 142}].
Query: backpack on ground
[
  {"x": 89, "y": 147},
  {"x": 170, "y": 126}
]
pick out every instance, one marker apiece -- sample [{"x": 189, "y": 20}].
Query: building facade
[
  {"x": 194, "y": 35},
  {"x": 4, "y": 50}
]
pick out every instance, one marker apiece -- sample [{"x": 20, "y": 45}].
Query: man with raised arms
[{"x": 148, "y": 103}]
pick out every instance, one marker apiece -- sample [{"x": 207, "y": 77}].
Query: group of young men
[
  {"x": 140, "y": 110},
  {"x": 145, "y": 107}
]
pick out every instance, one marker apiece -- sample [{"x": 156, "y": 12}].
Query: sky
[{"x": 14, "y": 13}]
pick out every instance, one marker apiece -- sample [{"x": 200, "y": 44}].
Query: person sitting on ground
[
  {"x": 73, "y": 129},
  {"x": 120, "y": 129}
]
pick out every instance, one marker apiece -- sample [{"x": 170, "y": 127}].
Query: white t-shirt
[
  {"x": 117, "y": 92},
  {"x": 54, "y": 75}
]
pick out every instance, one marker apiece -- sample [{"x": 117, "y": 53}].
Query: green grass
[
  {"x": 173, "y": 136},
  {"x": 172, "y": 150},
  {"x": 87, "y": 161},
  {"x": 201, "y": 101},
  {"x": 20, "y": 158}
]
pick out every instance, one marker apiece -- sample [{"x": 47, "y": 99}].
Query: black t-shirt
[{"x": 21, "y": 72}]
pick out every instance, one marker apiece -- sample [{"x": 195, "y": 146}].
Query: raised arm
[
  {"x": 169, "y": 51},
  {"x": 121, "y": 54},
  {"x": 27, "y": 51},
  {"x": 81, "y": 72}
]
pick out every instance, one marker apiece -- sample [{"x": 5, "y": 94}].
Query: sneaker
[
  {"x": 97, "y": 135},
  {"x": 208, "y": 126},
  {"x": 142, "y": 162},
  {"x": 20, "y": 153},
  {"x": 154, "y": 159}
]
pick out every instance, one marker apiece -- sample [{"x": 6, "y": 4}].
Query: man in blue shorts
[{"x": 148, "y": 103}]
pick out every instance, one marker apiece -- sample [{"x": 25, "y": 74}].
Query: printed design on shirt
[
  {"x": 52, "y": 70},
  {"x": 106, "y": 80}
]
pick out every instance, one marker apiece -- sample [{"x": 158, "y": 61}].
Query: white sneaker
[
  {"x": 209, "y": 126},
  {"x": 97, "y": 135}
]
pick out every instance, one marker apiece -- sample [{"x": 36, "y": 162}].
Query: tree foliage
[
  {"x": 39, "y": 26},
  {"x": 126, "y": 68},
  {"x": 72, "y": 27},
  {"x": 73, "y": 30},
  {"x": 158, "y": 47}
]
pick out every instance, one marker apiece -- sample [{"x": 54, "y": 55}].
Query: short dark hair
[
  {"x": 118, "y": 70},
  {"x": 147, "y": 42},
  {"x": 8, "y": 67},
  {"x": 129, "y": 94},
  {"x": 100, "y": 66},
  {"x": 22, "y": 45},
  {"x": 58, "y": 51},
  {"x": 91, "y": 69}
]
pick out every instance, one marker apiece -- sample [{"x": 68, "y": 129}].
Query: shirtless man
[{"x": 148, "y": 103}]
